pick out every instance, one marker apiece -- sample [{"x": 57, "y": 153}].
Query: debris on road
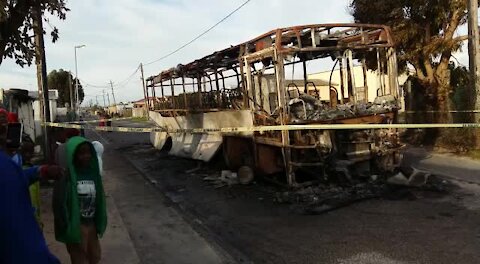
[
  {"x": 245, "y": 175},
  {"x": 398, "y": 179},
  {"x": 324, "y": 198},
  {"x": 327, "y": 197},
  {"x": 417, "y": 178},
  {"x": 226, "y": 178}
]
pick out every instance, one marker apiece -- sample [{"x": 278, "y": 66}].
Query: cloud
[{"x": 119, "y": 34}]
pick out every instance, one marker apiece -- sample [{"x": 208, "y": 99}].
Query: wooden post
[
  {"x": 145, "y": 91},
  {"x": 474, "y": 58},
  {"x": 40, "y": 60}
]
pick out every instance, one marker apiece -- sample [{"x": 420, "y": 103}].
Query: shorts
[{"x": 88, "y": 251}]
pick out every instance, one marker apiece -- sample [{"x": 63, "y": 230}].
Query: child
[
  {"x": 79, "y": 203},
  {"x": 23, "y": 158},
  {"x": 26, "y": 151}
]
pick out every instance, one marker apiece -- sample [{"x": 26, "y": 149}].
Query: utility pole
[
  {"x": 40, "y": 60},
  {"x": 77, "y": 103},
  {"x": 104, "y": 104},
  {"x": 108, "y": 99},
  {"x": 474, "y": 56},
  {"x": 113, "y": 95},
  {"x": 70, "y": 86},
  {"x": 147, "y": 102},
  {"x": 96, "y": 99}
]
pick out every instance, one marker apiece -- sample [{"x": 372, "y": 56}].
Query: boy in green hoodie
[{"x": 79, "y": 203}]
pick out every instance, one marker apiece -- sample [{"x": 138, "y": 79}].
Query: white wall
[
  {"x": 25, "y": 116},
  {"x": 372, "y": 82},
  {"x": 139, "y": 112}
]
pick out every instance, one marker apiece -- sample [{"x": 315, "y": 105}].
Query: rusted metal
[
  {"x": 199, "y": 87},
  {"x": 185, "y": 103},
  {"x": 147, "y": 101},
  {"x": 342, "y": 82},
  {"x": 263, "y": 98},
  {"x": 172, "y": 89}
]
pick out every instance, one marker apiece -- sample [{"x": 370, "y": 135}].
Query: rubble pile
[
  {"x": 327, "y": 197},
  {"x": 307, "y": 107},
  {"x": 324, "y": 198}
]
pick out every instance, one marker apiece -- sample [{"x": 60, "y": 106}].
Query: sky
[{"x": 120, "y": 34}]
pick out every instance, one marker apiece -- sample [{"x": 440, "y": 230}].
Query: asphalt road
[{"x": 245, "y": 223}]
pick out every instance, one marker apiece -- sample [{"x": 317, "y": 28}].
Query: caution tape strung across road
[
  {"x": 98, "y": 120},
  {"x": 263, "y": 128},
  {"x": 435, "y": 111}
]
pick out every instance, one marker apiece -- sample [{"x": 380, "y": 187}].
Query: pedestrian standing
[{"x": 79, "y": 203}]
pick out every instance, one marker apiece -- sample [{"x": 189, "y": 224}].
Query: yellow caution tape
[
  {"x": 99, "y": 120},
  {"x": 262, "y": 129},
  {"x": 100, "y": 128},
  {"x": 433, "y": 111}
]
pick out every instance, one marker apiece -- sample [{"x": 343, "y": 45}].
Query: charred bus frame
[{"x": 265, "y": 97}]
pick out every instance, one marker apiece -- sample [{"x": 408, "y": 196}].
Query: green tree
[
  {"x": 59, "y": 80},
  {"x": 462, "y": 90},
  {"x": 424, "y": 33},
  {"x": 16, "y": 27}
]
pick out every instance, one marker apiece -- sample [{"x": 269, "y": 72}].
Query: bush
[{"x": 457, "y": 139}]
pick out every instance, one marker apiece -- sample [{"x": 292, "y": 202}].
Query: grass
[
  {"x": 474, "y": 154},
  {"x": 139, "y": 119}
]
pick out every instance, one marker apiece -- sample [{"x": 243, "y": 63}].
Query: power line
[
  {"x": 128, "y": 78},
  {"x": 199, "y": 36},
  {"x": 92, "y": 85},
  {"x": 122, "y": 83}
]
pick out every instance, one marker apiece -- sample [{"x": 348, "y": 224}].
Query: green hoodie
[{"x": 65, "y": 200}]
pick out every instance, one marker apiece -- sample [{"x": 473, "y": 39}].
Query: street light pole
[{"x": 76, "y": 108}]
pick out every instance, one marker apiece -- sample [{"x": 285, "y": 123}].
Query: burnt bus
[{"x": 270, "y": 81}]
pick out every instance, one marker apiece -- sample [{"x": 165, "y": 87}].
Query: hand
[{"x": 51, "y": 172}]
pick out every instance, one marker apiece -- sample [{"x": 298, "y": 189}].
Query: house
[
  {"x": 140, "y": 108},
  {"x": 26, "y": 104},
  {"x": 52, "y": 97},
  {"x": 37, "y": 108},
  {"x": 18, "y": 101}
]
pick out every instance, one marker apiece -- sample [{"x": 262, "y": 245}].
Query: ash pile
[
  {"x": 409, "y": 184},
  {"x": 307, "y": 107}
]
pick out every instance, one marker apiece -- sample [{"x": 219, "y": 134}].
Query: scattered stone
[
  {"x": 418, "y": 178},
  {"x": 245, "y": 175},
  {"x": 398, "y": 179},
  {"x": 226, "y": 178}
]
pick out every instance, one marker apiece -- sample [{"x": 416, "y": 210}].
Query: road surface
[{"x": 173, "y": 216}]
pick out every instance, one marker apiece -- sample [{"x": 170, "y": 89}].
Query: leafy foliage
[
  {"x": 423, "y": 29},
  {"x": 462, "y": 90},
  {"x": 424, "y": 33},
  {"x": 59, "y": 80},
  {"x": 16, "y": 27}
]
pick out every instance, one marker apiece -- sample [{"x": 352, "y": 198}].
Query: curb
[{"x": 228, "y": 253}]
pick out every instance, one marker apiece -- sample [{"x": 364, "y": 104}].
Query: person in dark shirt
[{"x": 21, "y": 240}]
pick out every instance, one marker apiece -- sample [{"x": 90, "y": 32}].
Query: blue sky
[{"x": 119, "y": 34}]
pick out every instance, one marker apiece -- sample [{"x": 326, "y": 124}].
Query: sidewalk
[
  {"x": 158, "y": 232},
  {"x": 447, "y": 165},
  {"x": 116, "y": 244}
]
